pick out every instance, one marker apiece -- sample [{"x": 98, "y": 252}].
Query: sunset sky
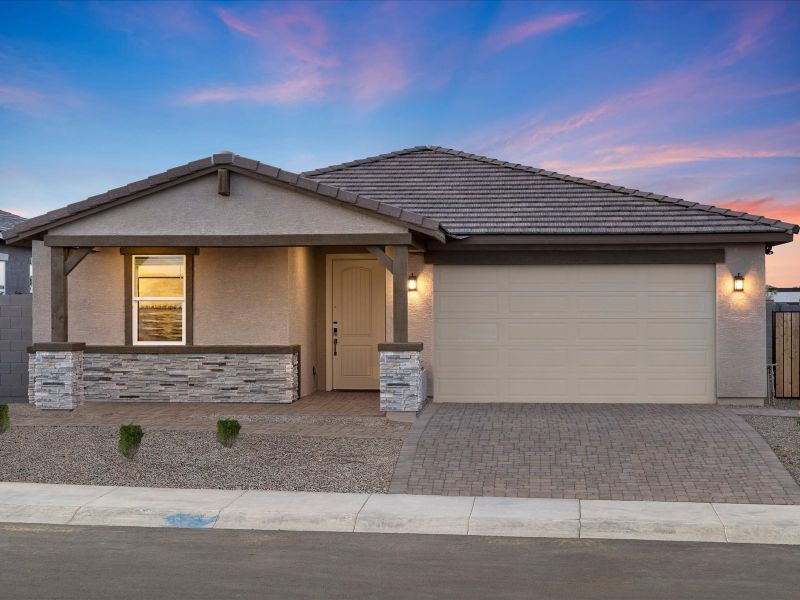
[{"x": 695, "y": 100}]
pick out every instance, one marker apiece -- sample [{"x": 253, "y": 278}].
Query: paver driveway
[{"x": 591, "y": 451}]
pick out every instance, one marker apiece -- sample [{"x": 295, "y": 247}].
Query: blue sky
[{"x": 696, "y": 100}]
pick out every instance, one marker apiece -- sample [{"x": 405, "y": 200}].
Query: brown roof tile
[{"x": 470, "y": 194}]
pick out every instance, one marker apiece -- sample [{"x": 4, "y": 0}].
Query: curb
[{"x": 398, "y": 513}]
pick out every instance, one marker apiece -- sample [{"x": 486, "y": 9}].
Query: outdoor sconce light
[
  {"x": 412, "y": 283},
  {"x": 738, "y": 283}
]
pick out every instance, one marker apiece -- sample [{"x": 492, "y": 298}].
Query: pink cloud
[
  {"x": 501, "y": 40},
  {"x": 380, "y": 71},
  {"x": 299, "y": 33},
  {"x": 306, "y": 88},
  {"x": 297, "y": 41},
  {"x": 682, "y": 90}
]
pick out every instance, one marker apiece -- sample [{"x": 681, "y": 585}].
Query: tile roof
[
  {"x": 470, "y": 194},
  {"x": 8, "y": 220}
]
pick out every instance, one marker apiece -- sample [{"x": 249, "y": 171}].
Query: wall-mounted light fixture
[
  {"x": 738, "y": 283},
  {"x": 412, "y": 283}
]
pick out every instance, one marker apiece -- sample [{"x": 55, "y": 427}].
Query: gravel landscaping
[
  {"x": 193, "y": 459},
  {"x": 783, "y": 436}
]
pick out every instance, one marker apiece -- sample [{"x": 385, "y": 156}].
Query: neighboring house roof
[
  {"x": 8, "y": 220},
  {"x": 235, "y": 163},
  {"x": 470, "y": 195}
]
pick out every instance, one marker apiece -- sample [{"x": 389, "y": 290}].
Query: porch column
[
  {"x": 58, "y": 295},
  {"x": 400, "y": 295},
  {"x": 56, "y": 367}
]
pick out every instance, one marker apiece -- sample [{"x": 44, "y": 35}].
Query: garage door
[{"x": 595, "y": 333}]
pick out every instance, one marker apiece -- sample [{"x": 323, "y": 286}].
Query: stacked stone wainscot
[
  {"x": 268, "y": 374},
  {"x": 403, "y": 380}
]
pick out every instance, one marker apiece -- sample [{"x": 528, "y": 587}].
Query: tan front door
[{"x": 359, "y": 322}]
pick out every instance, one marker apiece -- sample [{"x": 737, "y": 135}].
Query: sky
[{"x": 695, "y": 100}]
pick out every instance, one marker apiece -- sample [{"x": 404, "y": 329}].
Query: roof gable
[
  {"x": 237, "y": 164},
  {"x": 471, "y": 194}
]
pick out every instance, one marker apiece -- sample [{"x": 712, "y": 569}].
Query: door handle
[{"x": 335, "y": 342}]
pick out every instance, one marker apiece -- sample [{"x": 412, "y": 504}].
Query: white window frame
[
  {"x": 3, "y": 274},
  {"x": 136, "y": 299}
]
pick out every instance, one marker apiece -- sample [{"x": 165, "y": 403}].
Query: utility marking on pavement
[
  {"x": 37, "y": 528},
  {"x": 190, "y": 521}
]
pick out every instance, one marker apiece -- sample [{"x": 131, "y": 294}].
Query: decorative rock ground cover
[
  {"x": 194, "y": 459},
  {"x": 783, "y": 436}
]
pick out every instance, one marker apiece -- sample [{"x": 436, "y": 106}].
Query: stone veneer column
[
  {"x": 57, "y": 381},
  {"x": 403, "y": 382}
]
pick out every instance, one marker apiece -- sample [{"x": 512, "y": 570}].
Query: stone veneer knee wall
[
  {"x": 55, "y": 378},
  {"x": 181, "y": 374},
  {"x": 403, "y": 380}
]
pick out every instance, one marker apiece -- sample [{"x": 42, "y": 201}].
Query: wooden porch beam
[
  {"x": 58, "y": 295},
  {"x": 382, "y": 257},
  {"x": 400, "y": 296},
  {"x": 75, "y": 258}
]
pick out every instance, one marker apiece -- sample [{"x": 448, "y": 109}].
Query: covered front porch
[
  {"x": 255, "y": 324},
  {"x": 230, "y": 285}
]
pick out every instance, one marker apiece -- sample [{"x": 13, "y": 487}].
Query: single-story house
[{"x": 423, "y": 272}]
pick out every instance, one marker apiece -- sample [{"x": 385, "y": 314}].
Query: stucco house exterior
[{"x": 423, "y": 272}]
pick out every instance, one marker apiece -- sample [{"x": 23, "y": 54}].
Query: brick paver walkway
[
  {"x": 585, "y": 451},
  {"x": 327, "y": 414}
]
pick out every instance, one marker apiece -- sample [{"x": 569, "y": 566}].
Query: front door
[{"x": 359, "y": 322}]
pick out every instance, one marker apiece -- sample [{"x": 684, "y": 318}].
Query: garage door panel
[
  {"x": 603, "y": 357},
  {"x": 455, "y": 331},
  {"x": 462, "y": 279},
  {"x": 684, "y": 358},
  {"x": 632, "y": 333},
  {"x": 612, "y": 305},
  {"x": 469, "y": 358},
  {"x": 552, "y": 387},
  {"x": 689, "y": 333},
  {"x": 679, "y": 304},
  {"x": 471, "y": 390},
  {"x": 530, "y": 304},
  {"x": 545, "y": 278},
  {"x": 476, "y": 304},
  {"x": 526, "y": 357}
]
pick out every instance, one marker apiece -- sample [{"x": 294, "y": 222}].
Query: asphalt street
[{"x": 41, "y": 562}]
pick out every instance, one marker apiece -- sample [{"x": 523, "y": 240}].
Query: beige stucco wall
[
  {"x": 420, "y": 312},
  {"x": 741, "y": 326},
  {"x": 253, "y": 208},
  {"x": 240, "y": 296},
  {"x": 40, "y": 257},
  {"x": 96, "y": 297},
  {"x": 302, "y": 313},
  {"x": 96, "y": 292}
]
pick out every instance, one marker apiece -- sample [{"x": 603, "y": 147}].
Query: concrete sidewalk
[{"x": 398, "y": 513}]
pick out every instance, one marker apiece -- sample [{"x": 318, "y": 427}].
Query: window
[
  {"x": 2, "y": 277},
  {"x": 159, "y": 299}
]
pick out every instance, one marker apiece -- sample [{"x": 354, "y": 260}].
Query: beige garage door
[{"x": 599, "y": 333}]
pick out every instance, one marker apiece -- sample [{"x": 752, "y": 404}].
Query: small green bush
[
  {"x": 130, "y": 437},
  {"x": 4, "y": 422},
  {"x": 228, "y": 431}
]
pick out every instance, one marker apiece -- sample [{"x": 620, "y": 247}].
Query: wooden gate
[{"x": 787, "y": 354}]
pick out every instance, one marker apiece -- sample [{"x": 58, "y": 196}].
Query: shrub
[
  {"x": 4, "y": 422},
  {"x": 228, "y": 431},
  {"x": 130, "y": 437}
]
